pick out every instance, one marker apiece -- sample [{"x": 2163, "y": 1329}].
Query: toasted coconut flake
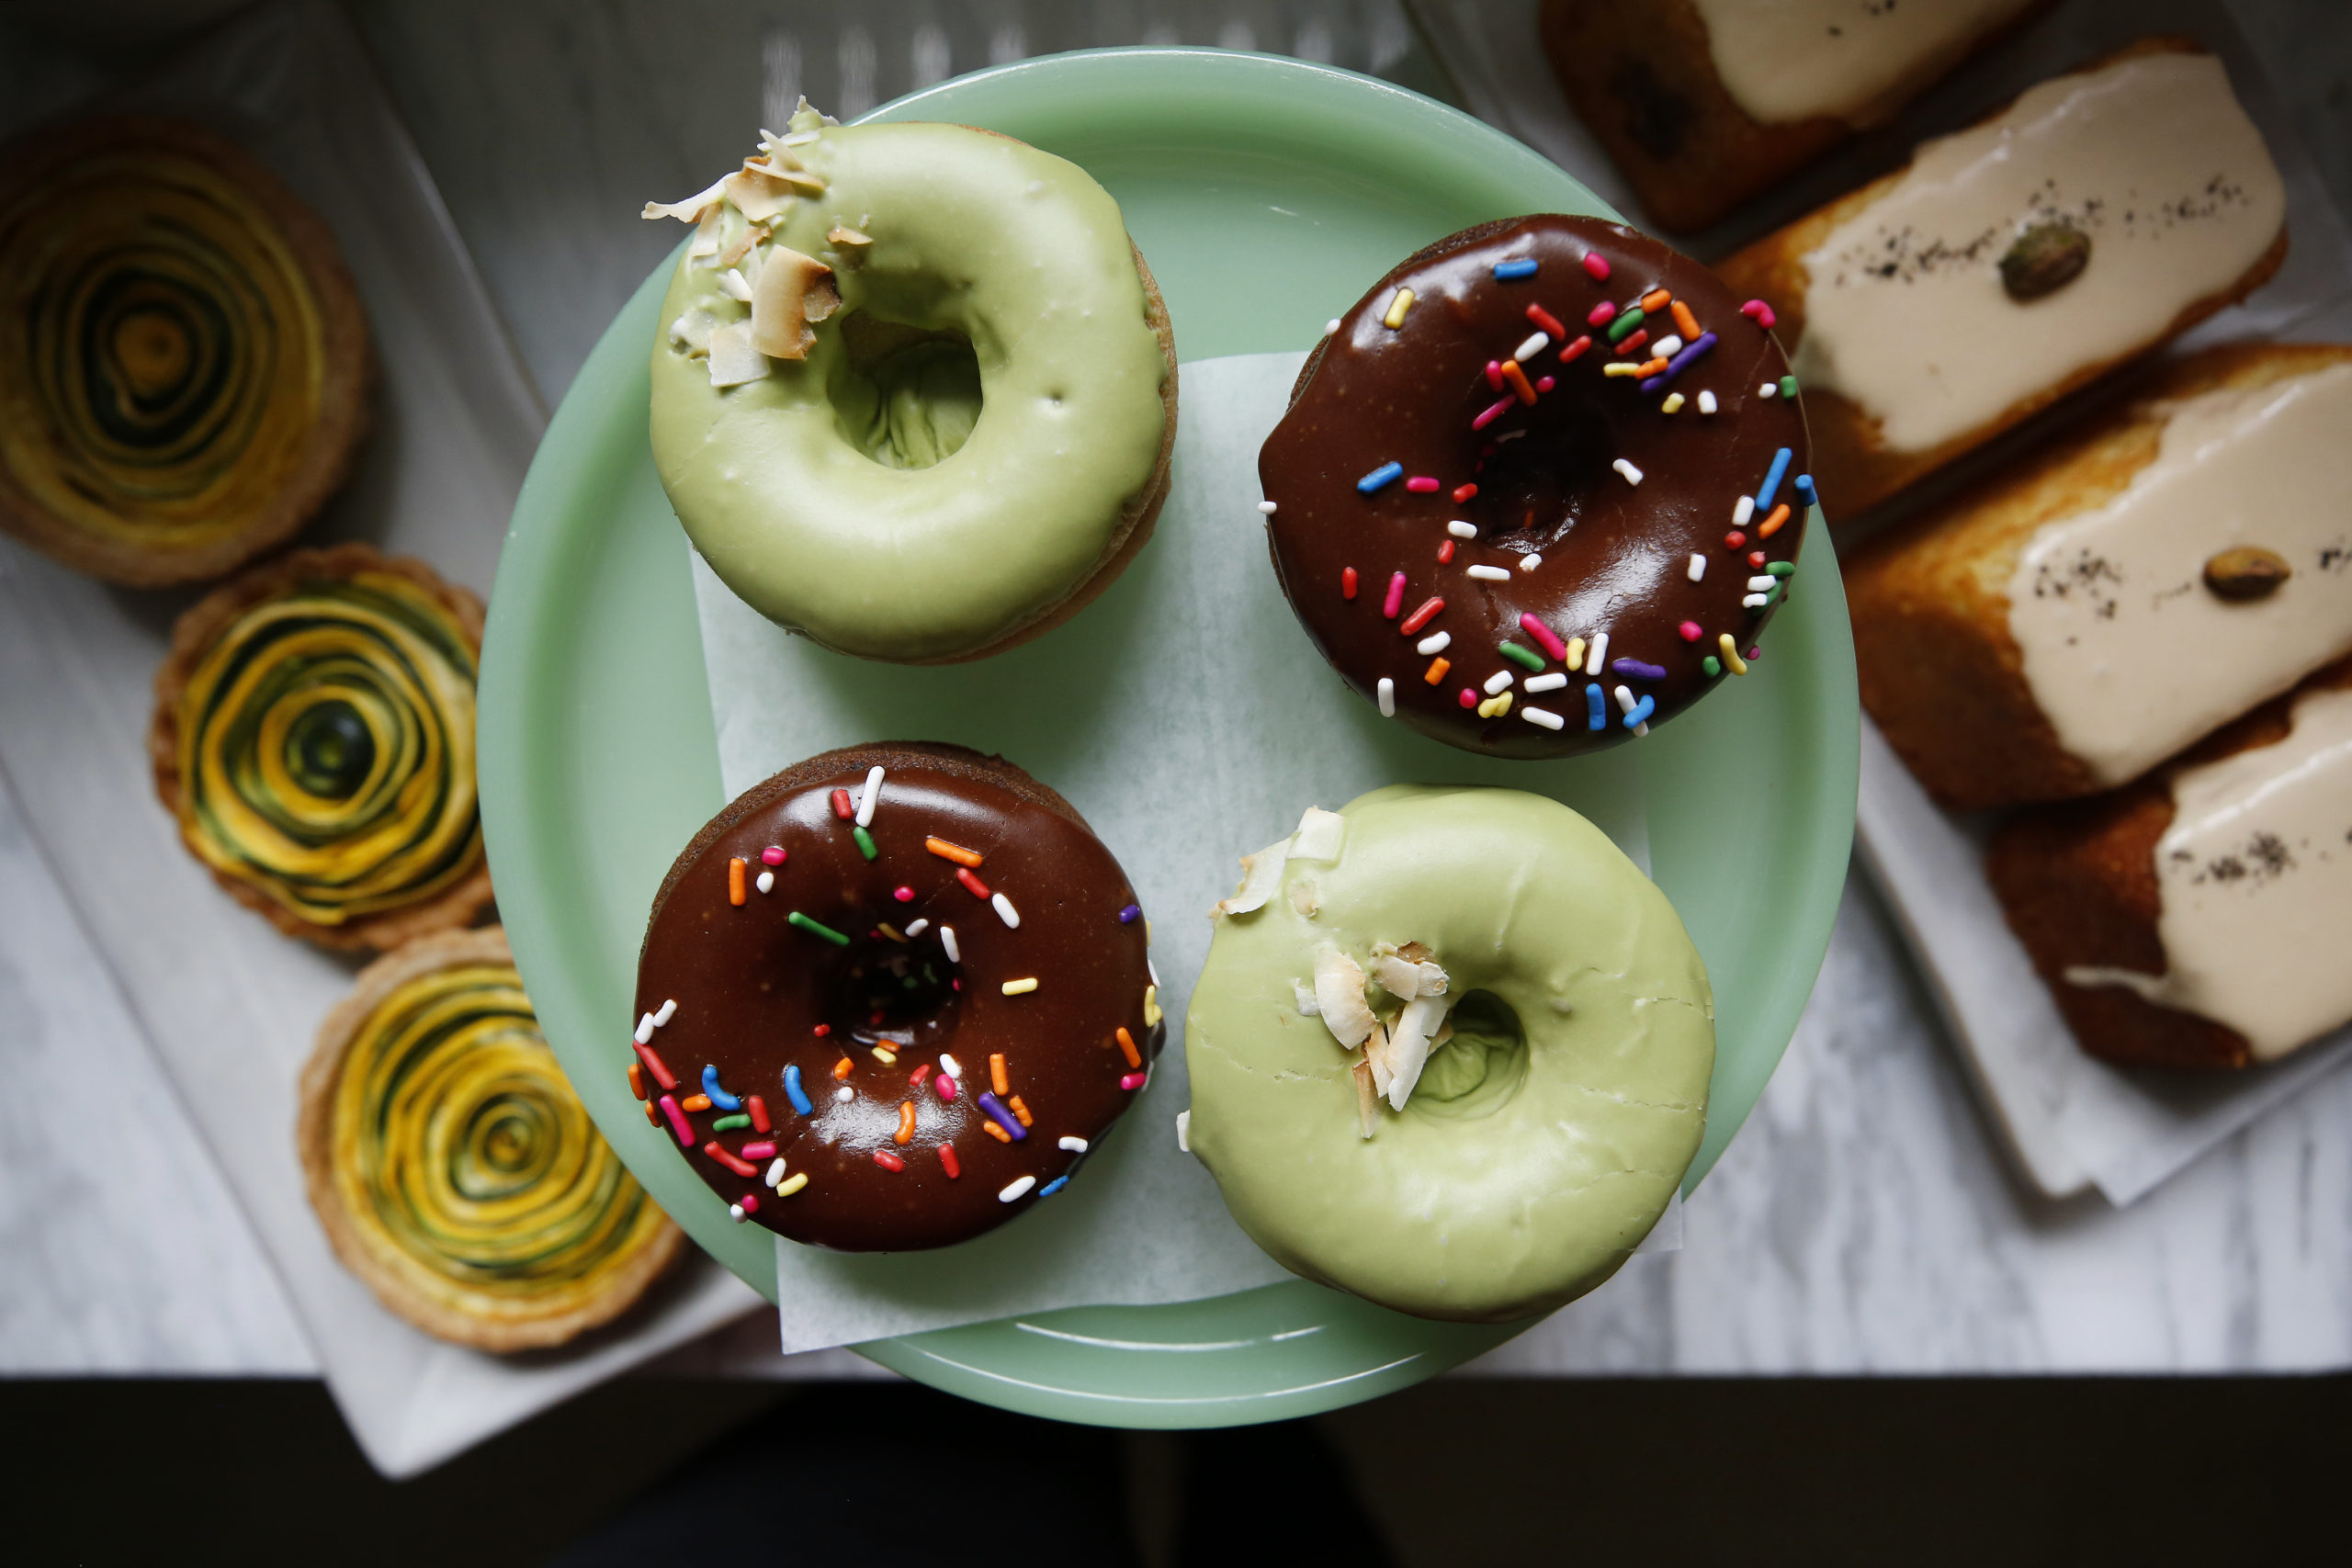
[
  {"x": 733, "y": 360},
  {"x": 850, "y": 242},
  {"x": 689, "y": 210},
  {"x": 794, "y": 292},
  {"x": 1307, "y": 897},
  {"x": 1338, "y": 996},
  {"x": 751, "y": 235},
  {"x": 1409, "y": 1046},
  {"x": 1184, "y": 1131},
  {"x": 703, "y": 251},
  {"x": 1367, "y": 1100},
  {"x": 1398, "y": 978},
  {"x": 758, "y": 194},
  {"x": 691, "y": 331},
  {"x": 1320, "y": 835},
  {"x": 1406, "y": 972},
  {"x": 805, "y": 119},
  {"x": 735, "y": 286},
  {"x": 1375, "y": 1055},
  {"x": 1261, "y": 874},
  {"x": 1308, "y": 1005}
]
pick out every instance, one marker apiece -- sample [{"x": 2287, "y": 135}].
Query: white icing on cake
[
  {"x": 2256, "y": 872},
  {"x": 2126, "y": 650},
  {"x": 2152, "y": 157},
  {"x": 1851, "y": 60}
]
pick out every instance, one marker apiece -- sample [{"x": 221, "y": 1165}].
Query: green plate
[{"x": 1267, "y": 194}]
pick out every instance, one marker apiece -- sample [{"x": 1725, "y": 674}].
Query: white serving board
[
  {"x": 2072, "y": 1123},
  {"x": 229, "y": 1004}
]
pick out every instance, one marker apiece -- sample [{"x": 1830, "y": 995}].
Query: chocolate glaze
[
  {"x": 1615, "y": 555},
  {"x": 751, "y": 988}
]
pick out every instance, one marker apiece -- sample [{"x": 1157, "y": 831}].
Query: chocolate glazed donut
[
  {"x": 889, "y": 998},
  {"x": 1541, "y": 488}
]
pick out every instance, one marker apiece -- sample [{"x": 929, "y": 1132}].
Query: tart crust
[
  {"x": 457, "y": 906},
  {"x": 314, "y": 1141},
  {"x": 348, "y": 379}
]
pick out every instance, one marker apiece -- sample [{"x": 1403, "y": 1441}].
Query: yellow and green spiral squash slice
[
  {"x": 461, "y": 1153},
  {"x": 162, "y": 355},
  {"x": 326, "y": 749}
]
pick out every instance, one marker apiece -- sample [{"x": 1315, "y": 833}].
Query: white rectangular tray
[
  {"x": 2071, "y": 1122},
  {"x": 227, "y": 1003}
]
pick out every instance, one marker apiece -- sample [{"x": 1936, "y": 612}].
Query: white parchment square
[{"x": 1188, "y": 717}]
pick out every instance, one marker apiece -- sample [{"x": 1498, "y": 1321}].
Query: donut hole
[
  {"x": 899, "y": 995},
  {"x": 1476, "y": 1072},
  {"x": 1533, "y": 487},
  {"x": 906, "y": 396}
]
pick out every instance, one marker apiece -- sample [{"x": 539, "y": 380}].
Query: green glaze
[
  {"x": 920, "y": 494},
  {"x": 1540, "y": 1148}
]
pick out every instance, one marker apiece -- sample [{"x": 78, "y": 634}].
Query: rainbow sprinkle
[{"x": 817, "y": 928}]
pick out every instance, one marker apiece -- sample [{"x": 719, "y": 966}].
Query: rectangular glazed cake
[
  {"x": 1705, "y": 103},
  {"x": 2097, "y": 216},
  {"x": 2201, "y": 917},
  {"x": 2075, "y": 621}
]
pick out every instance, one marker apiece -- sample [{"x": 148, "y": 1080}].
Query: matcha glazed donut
[
  {"x": 314, "y": 736},
  {"x": 1450, "y": 1052},
  {"x": 185, "y": 368},
  {"x": 914, "y": 390}
]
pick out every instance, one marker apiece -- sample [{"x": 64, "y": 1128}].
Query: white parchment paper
[{"x": 1187, "y": 715}]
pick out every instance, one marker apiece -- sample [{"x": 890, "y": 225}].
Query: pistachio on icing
[
  {"x": 794, "y": 293},
  {"x": 2046, "y": 259},
  {"x": 2248, "y": 571}
]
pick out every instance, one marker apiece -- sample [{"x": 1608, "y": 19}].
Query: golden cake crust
[
  {"x": 1641, "y": 76},
  {"x": 1940, "y": 673},
  {"x": 1852, "y": 467},
  {"x": 2077, "y": 883}
]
